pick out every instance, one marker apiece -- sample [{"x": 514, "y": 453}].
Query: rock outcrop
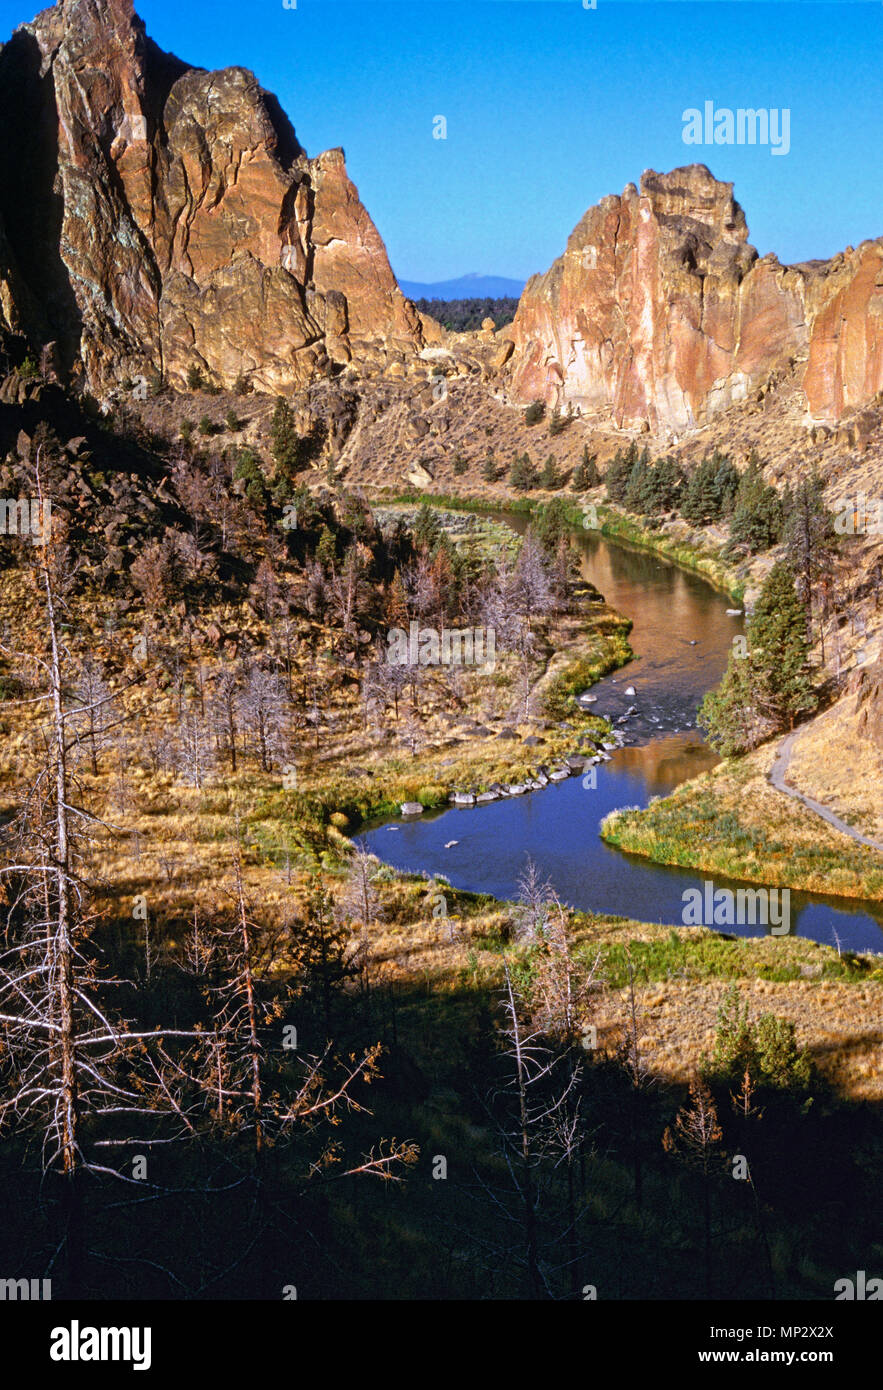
[
  {"x": 155, "y": 217},
  {"x": 661, "y": 312}
]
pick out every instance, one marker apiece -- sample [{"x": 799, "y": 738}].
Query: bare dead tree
[
  {"x": 360, "y": 905},
  {"x": 695, "y": 1138},
  {"x": 66, "y": 1058},
  {"x": 263, "y": 710}
]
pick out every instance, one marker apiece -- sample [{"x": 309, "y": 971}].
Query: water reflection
[{"x": 682, "y": 634}]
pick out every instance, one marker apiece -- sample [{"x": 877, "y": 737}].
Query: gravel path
[{"x": 777, "y": 778}]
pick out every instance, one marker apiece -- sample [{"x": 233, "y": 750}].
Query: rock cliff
[
  {"x": 660, "y": 311},
  {"x": 154, "y": 216}
]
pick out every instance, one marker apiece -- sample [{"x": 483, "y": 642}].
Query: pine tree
[
  {"x": 585, "y": 474},
  {"x": 550, "y": 478},
  {"x": 427, "y": 527},
  {"x": 810, "y": 538},
  {"x": 618, "y": 473},
  {"x": 284, "y": 443},
  {"x": 702, "y": 499},
  {"x": 763, "y": 691},
  {"x": 726, "y": 481},
  {"x": 757, "y": 511},
  {"x": 780, "y": 650},
  {"x": 248, "y": 471},
  {"x": 326, "y": 550},
  {"x": 668, "y": 483}
]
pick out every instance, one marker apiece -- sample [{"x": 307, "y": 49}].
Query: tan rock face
[
  {"x": 660, "y": 311},
  {"x": 158, "y": 216},
  {"x": 845, "y": 367}
]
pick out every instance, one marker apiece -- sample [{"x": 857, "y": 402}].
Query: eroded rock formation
[
  {"x": 154, "y": 217},
  {"x": 660, "y": 311}
]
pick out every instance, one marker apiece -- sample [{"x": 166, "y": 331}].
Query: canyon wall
[
  {"x": 154, "y": 216},
  {"x": 661, "y": 312}
]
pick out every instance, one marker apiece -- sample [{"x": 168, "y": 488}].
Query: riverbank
[
  {"x": 674, "y": 539},
  {"x": 680, "y": 978},
  {"x": 732, "y": 822},
  {"x": 472, "y": 746}
]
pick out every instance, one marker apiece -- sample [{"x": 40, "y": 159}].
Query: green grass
[
  {"x": 702, "y": 825},
  {"x": 708, "y": 955},
  {"x": 607, "y": 651}
]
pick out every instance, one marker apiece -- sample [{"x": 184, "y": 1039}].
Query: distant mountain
[{"x": 466, "y": 287}]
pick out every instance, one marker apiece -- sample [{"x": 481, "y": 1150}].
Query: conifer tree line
[{"x": 714, "y": 491}]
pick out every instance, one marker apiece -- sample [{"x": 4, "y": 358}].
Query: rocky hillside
[
  {"x": 660, "y": 313},
  {"x": 156, "y": 217}
]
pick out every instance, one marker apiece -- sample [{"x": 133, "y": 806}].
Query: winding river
[{"x": 682, "y": 634}]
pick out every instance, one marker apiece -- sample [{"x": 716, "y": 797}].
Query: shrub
[
  {"x": 195, "y": 378},
  {"x": 534, "y": 413}
]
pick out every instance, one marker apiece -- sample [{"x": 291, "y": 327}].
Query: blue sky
[{"x": 549, "y": 106}]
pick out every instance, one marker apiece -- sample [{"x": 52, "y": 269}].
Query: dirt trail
[{"x": 777, "y": 778}]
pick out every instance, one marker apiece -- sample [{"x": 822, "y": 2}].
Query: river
[{"x": 681, "y": 636}]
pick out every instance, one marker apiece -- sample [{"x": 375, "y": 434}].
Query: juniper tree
[
  {"x": 522, "y": 474},
  {"x": 550, "y": 478}
]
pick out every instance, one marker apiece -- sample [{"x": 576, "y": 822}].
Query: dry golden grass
[
  {"x": 838, "y": 764},
  {"x": 731, "y": 821}
]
